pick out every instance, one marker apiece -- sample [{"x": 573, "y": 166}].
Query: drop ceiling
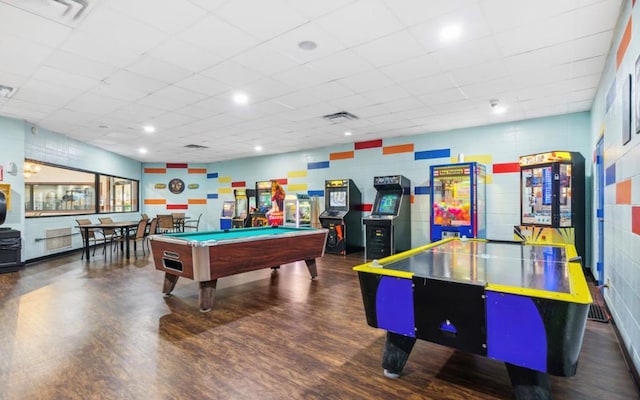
[{"x": 99, "y": 71}]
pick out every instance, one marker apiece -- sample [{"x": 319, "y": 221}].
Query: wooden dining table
[{"x": 123, "y": 226}]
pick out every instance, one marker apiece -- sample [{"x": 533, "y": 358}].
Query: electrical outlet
[{"x": 608, "y": 284}]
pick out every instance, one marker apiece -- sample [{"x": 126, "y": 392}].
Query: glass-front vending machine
[
  {"x": 552, "y": 205},
  {"x": 297, "y": 210},
  {"x": 458, "y": 201}
]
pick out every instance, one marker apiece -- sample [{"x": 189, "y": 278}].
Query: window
[{"x": 52, "y": 190}]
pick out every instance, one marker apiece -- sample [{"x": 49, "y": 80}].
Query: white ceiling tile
[
  {"x": 589, "y": 20},
  {"x": 351, "y": 102},
  {"x": 503, "y": 15},
  {"x": 232, "y": 74},
  {"x": 537, "y": 35},
  {"x": 21, "y": 57},
  {"x": 360, "y": 22},
  {"x": 442, "y": 97},
  {"x": 79, "y": 65},
  {"x": 365, "y": 81},
  {"x": 209, "y": 5},
  {"x": 46, "y": 93},
  {"x": 265, "y": 59},
  {"x": 390, "y": 49},
  {"x": 470, "y": 18},
  {"x": 218, "y": 37},
  {"x": 120, "y": 92},
  {"x": 429, "y": 84},
  {"x": 93, "y": 103},
  {"x": 488, "y": 89},
  {"x": 287, "y": 43},
  {"x": 136, "y": 113},
  {"x": 412, "y": 12},
  {"x": 490, "y": 70},
  {"x": 134, "y": 82},
  {"x": 99, "y": 48},
  {"x": 467, "y": 54},
  {"x": 386, "y": 94},
  {"x": 589, "y": 66},
  {"x": 412, "y": 69},
  {"x": 404, "y": 105},
  {"x": 339, "y": 65},
  {"x": 267, "y": 88},
  {"x": 329, "y": 91},
  {"x": 159, "y": 70},
  {"x": 31, "y": 27},
  {"x": 313, "y": 9},
  {"x": 249, "y": 16},
  {"x": 203, "y": 84},
  {"x": 185, "y": 55},
  {"x": 171, "y": 98},
  {"x": 167, "y": 16},
  {"x": 64, "y": 78}
]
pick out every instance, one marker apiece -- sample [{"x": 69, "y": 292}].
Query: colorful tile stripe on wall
[{"x": 163, "y": 171}]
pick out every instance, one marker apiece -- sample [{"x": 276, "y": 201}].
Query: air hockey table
[{"x": 523, "y": 304}]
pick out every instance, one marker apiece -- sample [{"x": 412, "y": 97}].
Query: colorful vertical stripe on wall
[
  {"x": 623, "y": 192},
  {"x": 635, "y": 220},
  {"x": 624, "y": 43},
  {"x": 610, "y": 175}
]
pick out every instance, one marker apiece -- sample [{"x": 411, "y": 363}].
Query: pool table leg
[
  {"x": 311, "y": 266},
  {"x": 529, "y": 384},
  {"x": 396, "y": 352},
  {"x": 207, "y": 294},
  {"x": 170, "y": 281}
]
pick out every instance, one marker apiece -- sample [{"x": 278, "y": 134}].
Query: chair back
[
  {"x": 84, "y": 221},
  {"x": 108, "y": 231},
  {"x": 153, "y": 226},
  {"x": 142, "y": 227},
  {"x": 165, "y": 222},
  {"x": 144, "y": 216},
  {"x": 193, "y": 223}
]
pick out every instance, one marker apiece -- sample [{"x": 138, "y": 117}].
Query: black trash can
[{"x": 10, "y": 250}]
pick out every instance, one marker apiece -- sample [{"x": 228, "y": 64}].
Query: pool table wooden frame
[{"x": 180, "y": 255}]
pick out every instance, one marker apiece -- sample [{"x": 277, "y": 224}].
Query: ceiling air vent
[
  {"x": 6, "y": 91},
  {"x": 56, "y": 10},
  {"x": 195, "y": 146},
  {"x": 340, "y": 117}
]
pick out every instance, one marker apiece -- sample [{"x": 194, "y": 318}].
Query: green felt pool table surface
[{"x": 238, "y": 234}]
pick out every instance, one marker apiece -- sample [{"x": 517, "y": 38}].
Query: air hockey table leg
[
  {"x": 396, "y": 352},
  {"x": 529, "y": 384}
]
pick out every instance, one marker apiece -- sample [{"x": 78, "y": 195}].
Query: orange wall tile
[
  {"x": 155, "y": 170},
  {"x": 197, "y": 201},
  {"x": 197, "y": 171},
  {"x": 623, "y": 192},
  {"x": 624, "y": 43},
  {"x": 401, "y": 148},
  {"x": 155, "y": 201},
  {"x": 341, "y": 156}
]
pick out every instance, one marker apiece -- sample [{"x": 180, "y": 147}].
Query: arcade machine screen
[
  {"x": 537, "y": 195},
  {"x": 565, "y": 196},
  {"x": 338, "y": 199},
  {"x": 264, "y": 201},
  {"x": 452, "y": 200},
  {"x": 388, "y": 203},
  {"x": 228, "y": 209},
  {"x": 241, "y": 207}
]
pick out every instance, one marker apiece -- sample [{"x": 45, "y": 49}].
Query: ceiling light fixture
[
  {"x": 451, "y": 32},
  {"x": 149, "y": 129},
  {"x": 258, "y": 148},
  {"x": 496, "y": 108},
  {"x": 142, "y": 150},
  {"x": 347, "y": 133},
  {"x": 7, "y": 91},
  {"x": 241, "y": 98},
  {"x": 307, "y": 45}
]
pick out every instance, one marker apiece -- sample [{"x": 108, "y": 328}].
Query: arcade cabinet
[
  {"x": 552, "y": 193},
  {"x": 263, "y": 204},
  {"x": 226, "y": 216},
  {"x": 10, "y": 239},
  {"x": 458, "y": 198},
  {"x": 388, "y": 228},
  {"x": 297, "y": 210},
  {"x": 342, "y": 216},
  {"x": 245, "y": 202}
]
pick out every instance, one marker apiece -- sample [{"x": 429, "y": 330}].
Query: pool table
[
  {"x": 207, "y": 256},
  {"x": 523, "y": 304}
]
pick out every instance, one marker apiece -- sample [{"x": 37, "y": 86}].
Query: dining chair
[
  {"x": 165, "y": 223},
  {"x": 192, "y": 223},
  {"x": 94, "y": 239},
  {"x": 139, "y": 236},
  {"x": 110, "y": 234},
  {"x": 178, "y": 221},
  {"x": 153, "y": 229}
]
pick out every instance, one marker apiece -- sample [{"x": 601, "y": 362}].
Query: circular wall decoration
[{"x": 176, "y": 186}]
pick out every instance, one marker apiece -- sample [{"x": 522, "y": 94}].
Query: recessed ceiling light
[
  {"x": 258, "y": 148},
  {"x": 451, "y": 32},
  {"x": 499, "y": 110},
  {"x": 307, "y": 45},
  {"x": 149, "y": 129},
  {"x": 142, "y": 150},
  {"x": 241, "y": 98},
  {"x": 7, "y": 91},
  {"x": 347, "y": 133}
]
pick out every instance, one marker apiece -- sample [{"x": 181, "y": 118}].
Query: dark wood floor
[{"x": 102, "y": 330}]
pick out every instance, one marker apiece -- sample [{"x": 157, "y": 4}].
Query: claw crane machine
[
  {"x": 552, "y": 205},
  {"x": 458, "y": 201}
]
